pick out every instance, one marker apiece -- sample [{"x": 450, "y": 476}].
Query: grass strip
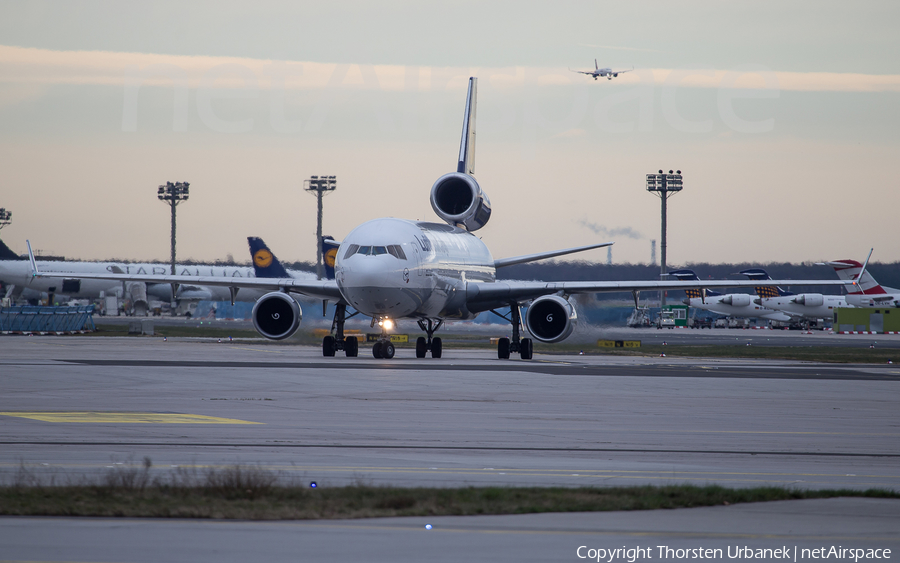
[{"x": 303, "y": 503}]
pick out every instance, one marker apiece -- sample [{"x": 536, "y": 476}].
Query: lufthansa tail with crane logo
[{"x": 265, "y": 264}]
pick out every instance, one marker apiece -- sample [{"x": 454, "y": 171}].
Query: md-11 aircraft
[
  {"x": 608, "y": 73},
  {"x": 389, "y": 269}
]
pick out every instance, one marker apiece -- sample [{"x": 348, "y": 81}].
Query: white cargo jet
[
  {"x": 389, "y": 269},
  {"x": 608, "y": 73}
]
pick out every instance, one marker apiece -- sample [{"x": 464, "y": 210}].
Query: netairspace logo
[{"x": 784, "y": 552}]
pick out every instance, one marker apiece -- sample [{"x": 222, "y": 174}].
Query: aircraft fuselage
[{"x": 426, "y": 278}]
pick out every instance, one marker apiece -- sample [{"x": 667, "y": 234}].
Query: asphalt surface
[
  {"x": 76, "y": 407},
  {"x": 796, "y": 527},
  {"x": 466, "y": 419}
]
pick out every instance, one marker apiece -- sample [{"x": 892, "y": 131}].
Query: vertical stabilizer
[
  {"x": 467, "y": 144},
  {"x": 265, "y": 264},
  {"x": 849, "y": 270},
  {"x": 765, "y": 291},
  {"x": 329, "y": 255}
]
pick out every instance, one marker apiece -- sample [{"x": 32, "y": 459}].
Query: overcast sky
[{"x": 782, "y": 116}]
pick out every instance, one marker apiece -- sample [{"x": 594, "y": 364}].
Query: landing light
[{"x": 387, "y": 324}]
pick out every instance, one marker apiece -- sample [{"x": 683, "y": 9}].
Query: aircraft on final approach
[
  {"x": 598, "y": 72},
  {"x": 732, "y": 305},
  {"x": 805, "y": 306},
  {"x": 865, "y": 291},
  {"x": 390, "y": 269}
]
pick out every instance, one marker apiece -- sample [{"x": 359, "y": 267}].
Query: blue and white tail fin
[
  {"x": 689, "y": 275},
  {"x": 329, "y": 255},
  {"x": 764, "y": 291},
  {"x": 265, "y": 264}
]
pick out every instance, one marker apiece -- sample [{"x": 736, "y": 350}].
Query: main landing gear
[
  {"x": 423, "y": 345},
  {"x": 332, "y": 344},
  {"x": 522, "y": 346}
]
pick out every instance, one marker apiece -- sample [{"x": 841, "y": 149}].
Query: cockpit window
[
  {"x": 393, "y": 249},
  {"x": 397, "y": 251},
  {"x": 351, "y": 251}
]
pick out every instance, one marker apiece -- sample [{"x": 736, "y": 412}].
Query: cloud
[
  {"x": 570, "y": 133},
  {"x": 626, "y": 232},
  {"x": 619, "y": 48},
  {"x": 22, "y": 65}
]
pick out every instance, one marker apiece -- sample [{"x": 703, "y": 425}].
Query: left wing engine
[{"x": 551, "y": 318}]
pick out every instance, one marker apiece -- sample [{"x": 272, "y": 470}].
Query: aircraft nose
[{"x": 364, "y": 271}]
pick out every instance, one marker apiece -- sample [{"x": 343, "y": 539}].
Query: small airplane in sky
[
  {"x": 390, "y": 268},
  {"x": 598, "y": 72}
]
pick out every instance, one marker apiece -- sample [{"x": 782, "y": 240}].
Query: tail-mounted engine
[
  {"x": 809, "y": 299},
  {"x": 458, "y": 199},
  {"x": 276, "y": 315},
  {"x": 551, "y": 319},
  {"x": 737, "y": 299}
]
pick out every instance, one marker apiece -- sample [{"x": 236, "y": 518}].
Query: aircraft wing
[
  {"x": 580, "y": 71},
  {"x": 621, "y": 71},
  {"x": 489, "y": 295},
  {"x": 503, "y": 262}
]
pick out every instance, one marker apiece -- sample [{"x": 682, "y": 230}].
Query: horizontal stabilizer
[{"x": 544, "y": 255}]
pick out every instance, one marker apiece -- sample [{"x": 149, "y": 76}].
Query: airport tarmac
[
  {"x": 585, "y": 333},
  {"x": 791, "y": 526},
  {"x": 75, "y": 406}
]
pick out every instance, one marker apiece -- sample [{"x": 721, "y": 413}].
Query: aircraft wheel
[
  {"x": 421, "y": 347},
  {"x": 351, "y": 346},
  {"x": 387, "y": 350},
  {"x": 376, "y": 349},
  {"x": 328, "y": 346},
  {"x": 503, "y": 349},
  {"x": 525, "y": 350},
  {"x": 436, "y": 348}
]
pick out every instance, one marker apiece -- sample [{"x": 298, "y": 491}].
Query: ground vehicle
[
  {"x": 666, "y": 319},
  {"x": 701, "y": 322}
]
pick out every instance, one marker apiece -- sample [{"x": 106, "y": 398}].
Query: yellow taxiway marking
[{"x": 126, "y": 418}]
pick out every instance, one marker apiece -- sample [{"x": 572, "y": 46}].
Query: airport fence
[{"x": 46, "y": 320}]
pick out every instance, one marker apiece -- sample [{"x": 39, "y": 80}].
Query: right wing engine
[{"x": 551, "y": 319}]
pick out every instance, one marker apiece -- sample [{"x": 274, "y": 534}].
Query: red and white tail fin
[{"x": 849, "y": 270}]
